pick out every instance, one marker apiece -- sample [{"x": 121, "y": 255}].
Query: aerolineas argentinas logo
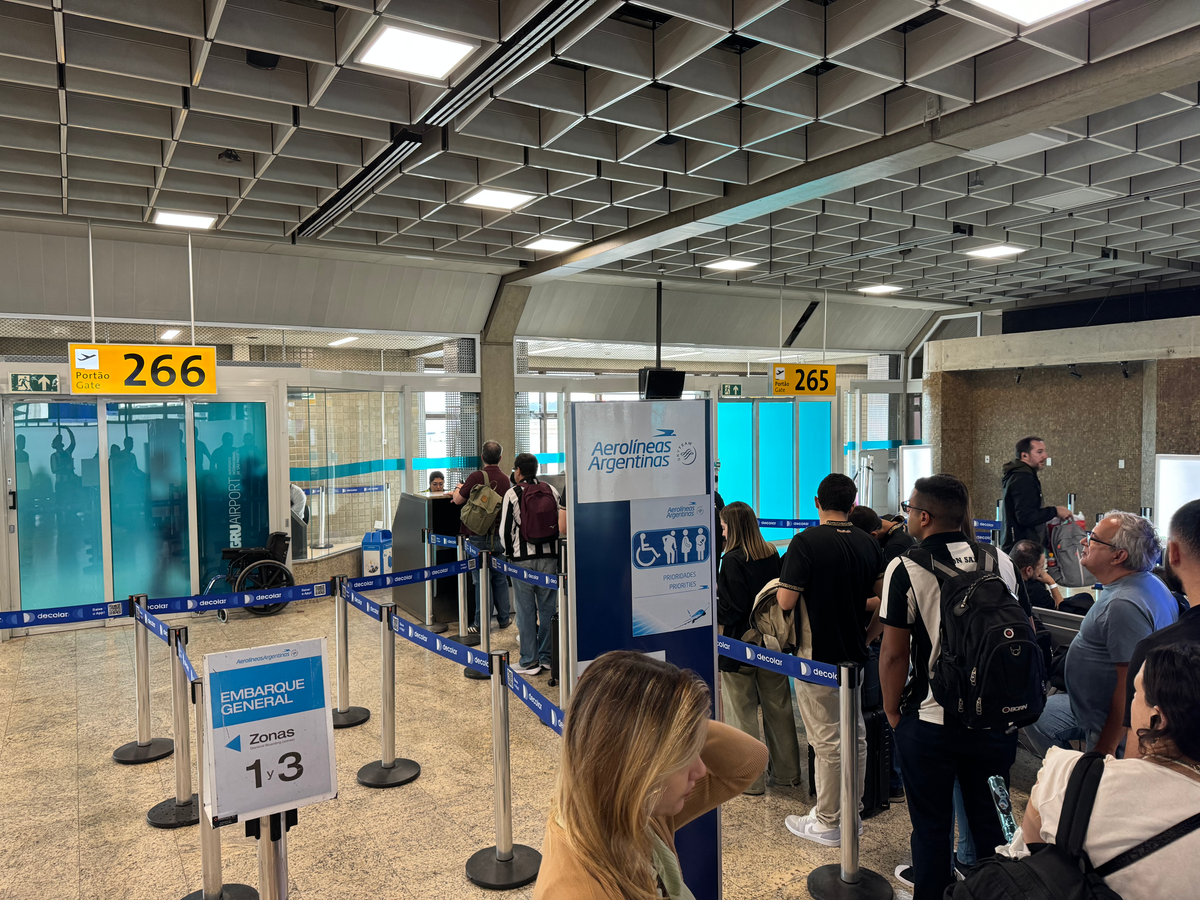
[{"x": 653, "y": 453}]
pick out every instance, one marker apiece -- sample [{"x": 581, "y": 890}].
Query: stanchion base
[
  {"x": 468, "y": 639},
  {"x": 228, "y": 892},
  {"x": 169, "y": 814},
  {"x": 437, "y": 627},
  {"x": 374, "y": 775},
  {"x": 133, "y": 755},
  {"x": 477, "y": 676},
  {"x": 484, "y": 870},
  {"x": 354, "y": 715},
  {"x": 825, "y": 883}
]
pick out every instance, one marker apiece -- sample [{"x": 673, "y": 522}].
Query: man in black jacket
[{"x": 1023, "y": 517}]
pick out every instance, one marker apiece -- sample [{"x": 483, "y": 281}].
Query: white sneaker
[
  {"x": 810, "y": 829},
  {"x": 904, "y": 875},
  {"x": 530, "y": 671}
]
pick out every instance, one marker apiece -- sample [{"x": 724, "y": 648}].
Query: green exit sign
[
  {"x": 731, "y": 390},
  {"x": 33, "y": 384}
]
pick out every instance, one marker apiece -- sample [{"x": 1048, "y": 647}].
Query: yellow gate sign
[
  {"x": 808, "y": 381},
  {"x": 142, "y": 369}
]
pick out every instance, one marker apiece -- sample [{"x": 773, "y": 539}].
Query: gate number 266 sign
[{"x": 142, "y": 369}]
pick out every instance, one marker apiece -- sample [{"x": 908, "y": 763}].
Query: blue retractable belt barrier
[
  {"x": 64, "y": 614},
  {"x": 412, "y": 576},
  {"x": 356, "y": 489},
  {"x": 550, "y": 714},
  {"x": 784, "y": 663},
  {"x": 472, "y": 550},
  {"x": 364, "y": 604},
  {"x": 788, "y": 523},
  {"x": 464, "y": 656},
  {"x": 543, "y": 579},
  {"x": 153, "y": 624},
  {"x": 987, "y": 525},
  {"x": 205, "y": 602},
  {"x": 188, "y": 669},
  {"x": 442, "y": 540}
]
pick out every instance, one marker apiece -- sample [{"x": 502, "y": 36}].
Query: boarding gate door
[{"x": 165, "y": 482}]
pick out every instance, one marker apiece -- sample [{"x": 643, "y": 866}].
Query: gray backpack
[{"x": 1066, "y": 544}]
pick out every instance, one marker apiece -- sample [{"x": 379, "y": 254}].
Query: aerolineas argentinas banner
[{"x": 631, "y": 451}]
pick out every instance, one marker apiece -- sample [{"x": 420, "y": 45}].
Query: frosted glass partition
[
  {"x": 1176, "y": 482},
  {"x": 916, "y": 462},
  {"x": 148, "y": 499}
]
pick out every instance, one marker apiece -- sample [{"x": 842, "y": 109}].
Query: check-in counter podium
[{"x": 439, "y": 515}]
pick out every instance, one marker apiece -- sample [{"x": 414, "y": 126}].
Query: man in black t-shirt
[
  {"x": 830, "y": 571},
  {"x": 1183, "y": 559}
]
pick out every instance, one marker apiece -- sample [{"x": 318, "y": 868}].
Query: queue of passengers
[{"x": 641, "y": 757}]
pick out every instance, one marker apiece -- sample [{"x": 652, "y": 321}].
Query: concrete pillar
[
  {"x": 496, "y": 370},
  {"x": 1149, "y": 428}
]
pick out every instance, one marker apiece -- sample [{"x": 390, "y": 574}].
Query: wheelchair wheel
[{"x": 261, "y": 575}]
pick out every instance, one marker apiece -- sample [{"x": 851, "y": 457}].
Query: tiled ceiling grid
[{"x": 112, "y": 109}]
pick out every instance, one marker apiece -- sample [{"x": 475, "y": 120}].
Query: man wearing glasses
[
  {"x": 1022, "y": 516},
  {"x": 1121, "y": 551}
]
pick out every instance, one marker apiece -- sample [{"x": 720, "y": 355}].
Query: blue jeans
[
  {"x": 535, "y": 606},
  {"x": 966, "y": 843},
  {"x": 499, "y": 581},
  {"x": 1056, "y": 726}
]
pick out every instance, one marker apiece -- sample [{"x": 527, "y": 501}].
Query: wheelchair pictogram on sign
[{"x": 671, "y": 547}]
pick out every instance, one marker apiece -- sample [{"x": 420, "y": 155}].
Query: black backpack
[
  {"x": 1062, "y": 870},
  {"x": 991, "y": 672}
]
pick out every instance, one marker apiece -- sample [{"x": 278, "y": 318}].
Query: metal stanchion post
[
  {"x": 344, "y": 715},
  {"x": 430, "y": 556},
  {"x": 565, "y": 682},
  {"x": 464, "y": 582},
  {"x": 555, "y": 643},
  {"x": 485, "y": 613},
  {"x": 182, "y": 809},
  {"x": 387, "y": 771},
  {"x": 146, "y": 748},
  {"x": 1071, "y": 502},
  {"x": 1147, "y": 512},
  {"x": 211, "y": 878},
  {"x": 323, "y": 544},
  {"x": 849, "y": 881},
  {"x": 506, "y": 865},
  {"x": 271, "y": 832}
]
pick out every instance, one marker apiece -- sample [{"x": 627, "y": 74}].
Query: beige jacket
[{"x": 733, "y": 759}]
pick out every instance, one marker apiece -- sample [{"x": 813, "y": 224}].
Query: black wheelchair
[{"x": 254, "y": 569}]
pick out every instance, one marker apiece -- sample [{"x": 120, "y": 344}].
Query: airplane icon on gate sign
[{"x": 87, "y": 358}]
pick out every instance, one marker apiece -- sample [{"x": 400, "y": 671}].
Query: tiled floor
[{"x": 72, "y": 822}]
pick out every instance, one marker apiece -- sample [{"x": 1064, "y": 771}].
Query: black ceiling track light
[
  {"x": 229, "y": 156},
  {"x": 259, "y": 60}
]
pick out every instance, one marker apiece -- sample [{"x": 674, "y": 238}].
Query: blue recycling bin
[{"x": 376, "y": 553}]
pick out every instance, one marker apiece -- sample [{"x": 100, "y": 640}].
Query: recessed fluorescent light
[
  {"x": 880, "y": 289},
  {"x": 402, "y": 50},
  {"x": 490, "y": 198},
  {"x": 998, "y": 250},
  {"x": 170, "y": 334},
  {"x": 1029, "y": 11},
  {"x": 730, "y": 264},
  {"x": 341, "y": 341},
  {"x": 556, "y": 245},
  {"x": 184, "y": 220}
]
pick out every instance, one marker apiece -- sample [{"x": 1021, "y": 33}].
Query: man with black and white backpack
[
  {"x": 976, "y": 673},
  {"x": 530, "y": 521}
]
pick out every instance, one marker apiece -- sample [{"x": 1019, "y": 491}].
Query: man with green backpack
[{"x": 481, "y": 497}]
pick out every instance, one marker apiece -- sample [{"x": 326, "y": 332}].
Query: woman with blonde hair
[
  {"x": 748, "y": 565},
  {"x": 640, "y": 759}
]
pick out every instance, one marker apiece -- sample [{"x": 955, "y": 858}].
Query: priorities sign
[{"x": 269, "y": 731}]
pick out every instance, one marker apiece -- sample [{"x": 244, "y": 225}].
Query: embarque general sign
[{"x": 269, "y": 731}]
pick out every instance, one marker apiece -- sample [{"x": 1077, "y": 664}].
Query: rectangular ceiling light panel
[
  {"x": 491, "y": 198},
  {"x": 184, "y": 220},
  {"x": 553, "y": 245},
  {"x": 730, "y": 265},
  {"x": 1029, "y": 11},
  {"x": 416, "y": 53}
]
